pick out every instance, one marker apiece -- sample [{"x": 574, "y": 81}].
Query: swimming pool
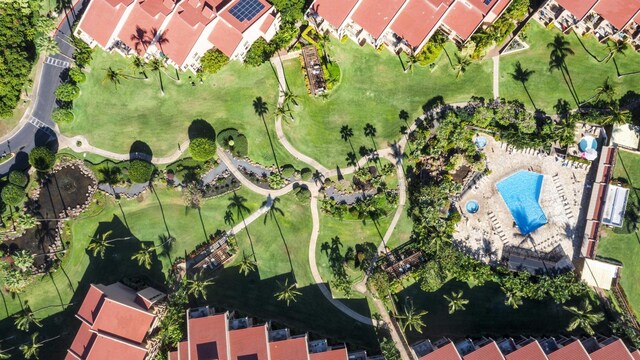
[{"x": 521, "y": 192}]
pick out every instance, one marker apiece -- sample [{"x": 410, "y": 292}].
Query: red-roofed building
[
  {"x": 487, "y": 352},
  {"x": 618, "y": 13},
  {"x": 221, "y": 337},
  {"x": 180, "y": 33},
  {"x": 615, "y": 350},
  {"x": 533, "y": 351},
  {"x": 403, "y": 25},
  {"x": 447, "y": 352},
  {"x": 101, "y": 19},
  {"x": 114, "y": 319}
]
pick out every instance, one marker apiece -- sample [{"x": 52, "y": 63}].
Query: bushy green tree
[
  {"x": 42, "y": 159},
  {"x": 12, "y": 195},
  {"x": 259, "y": 53},
  {"x": 202, "y": 149},
  {"x": 62, "y": 116},
  {"x": 83, "y": 53},
  {"x": 19, "y": 178},
  {"x": 213, "y": 60},
  {"x": 67, "y": 92},
  {"x": 76, "y": 75},
  {"x": 140, "y": 171}
]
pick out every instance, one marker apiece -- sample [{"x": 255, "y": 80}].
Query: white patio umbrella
[{"x": 591, "y": 154}]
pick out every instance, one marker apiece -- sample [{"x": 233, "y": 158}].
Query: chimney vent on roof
[{"x": 208, "y": 11}]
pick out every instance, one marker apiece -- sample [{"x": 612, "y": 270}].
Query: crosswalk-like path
[
  {"x": 57, "y": 62},
  {"x": 44, "y": 127}
]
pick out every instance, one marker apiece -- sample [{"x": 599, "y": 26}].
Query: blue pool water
[
  {"x": 472, "y": 206},
  {"x": 521, "y": 192}
]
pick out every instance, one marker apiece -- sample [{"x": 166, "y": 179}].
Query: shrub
[
  {"x": 288, "y": 170},
  {"x": 259, "y": 53},
  {"x": 140, "y": 171},
  {"x": 77, "y": 75},
  {"x": 12, "y": 195},
  {"x": 83, "y": 53},
  {"x": 18, "y": 178},
  {"x": 303, "y": 195},
  {"x": 42, "y": 159},
  {"x": 306, "y": 174},
  {"x": 62, "y": 116},
  {"x": 67, "y": 92},
  {"x": 213, "y": 60},
  {"x": 276, "y": 181},
  {"x": 233, "y": 141},
  {"x": 432, "y": 50},
  {"x": 202, "y": 149}
]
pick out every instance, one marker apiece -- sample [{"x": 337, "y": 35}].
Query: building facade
[
  {"x": 403, "y": 25},
  {"x": 179, "y": 31}
]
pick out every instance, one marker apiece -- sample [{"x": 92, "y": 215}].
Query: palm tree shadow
[
  {"x": 56, "y": 287},
  {"x": 164, "y": 219},
  {"x": 585, "y": 48},
  {"x": 204, "y": 230},
  {"x": 274, "y": 211}
]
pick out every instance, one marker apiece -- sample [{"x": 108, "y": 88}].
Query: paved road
[{"x": 36, "y": 127}]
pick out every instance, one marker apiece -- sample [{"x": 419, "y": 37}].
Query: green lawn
[
  {"x": 79, "y": 269},
  {"x": 254, "y": 294},
  {"x": 586, "y": 72},
  {"x": 622, "y": 246},
  {"x": 485, "y": 314},
  {"x": 113, "y": 118},
  {"x": 373, "y": 89}
]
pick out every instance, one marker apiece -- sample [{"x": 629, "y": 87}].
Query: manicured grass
[
  {"x": 373, "y": 89},
  {"x": 586, "y": 72},
  {"x": 113, "y": 118},
  {"x": 619, "y": 245},
  {"x": 485, "y": 314},
  {"x": 79, "y": 268},
  {"x": 254, "y": 294}
]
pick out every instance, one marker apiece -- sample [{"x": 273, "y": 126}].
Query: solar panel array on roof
[{"x": 246, "y": 9}]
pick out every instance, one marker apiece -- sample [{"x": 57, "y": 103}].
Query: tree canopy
[
  {"x": 67, "y": 92},
  {"x": 41, "y": 158},
  {"x": 140, "y": 171},
  {"x": 213, "y": 60},
  {"x": 12, "y": 195},
  {"x": 202, "y": 149}
]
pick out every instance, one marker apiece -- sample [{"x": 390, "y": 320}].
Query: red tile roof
[
  {"x": 183, "y": 350},
  {"x": 243, "y": 25},
  {"x": 225, "y": 37},
  {"x": 577, "y": 8},
  {"x": 637, "y": 18},
  {"x": 374, "y": 15},
  {"x": 463, "y": 19},
  {"x": 334, "y": 11},
  {"x": 123, "y": 321},
  {"x": 207, "y": 338},
  {"x": 483, "y": 6},
  {"x": 104, "y": 348},
  {"x": 91, "y": 304},
  {"x": 249, "y": 343},
  {"x": 417, "y": 20},
  {"x": 636, "y": 355},
  {"x": 447, "y": 352},
  {"x": 173, "y": 355},
  {"x": 102, "y": 17},
  {"x": 487, "y": 352},
  {"x": 185, "y": 27},
  {"x": 291, "y": 349},
  {"x": 143, "y": 21},
  {"x": 83, "y": 341},
  {"x": 338, "y": 354},
  {"x": 267, "y": 23},
  {"x": 531, "y": 351},
  {"x": 618, "y": 12},
  {"x": 500, "y": 6},
  {"x": 573, "y": 351},
  {"x": 616, "y": 350}
]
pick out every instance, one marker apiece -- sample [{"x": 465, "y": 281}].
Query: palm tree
[
  {"x": 237, "y": 203},
  {"x": 287, "y": 293},
  {"x": 139, "y": 65},
  {"x": 157, "y": 65},
  {"x": 607, "y": 89},
  {"x": 143, "y": 256},
  {"x": 198, "y": 286},
  {"x": 565, "y": 131},
  {"x": 584, "y": 317},
  {"x": 47, "y": 45},
  {"x": 456, "y": 302},
  {"x": 110, "y": 176},
  {"x": 33, "y": 349},
  {"x": 282, "y": 112},
  {"x": 463, "y": 62},
  {"x": 616, "y": 47},
  {"x": 261, "y": 109},
  {"x": 100, "y": 243},
  {"x": 512, "y": 300},
  {"x": 23, "y": 260},
  {"x": 412, "y": 318},
  {"x": 439, "y": 240},
  {"x": 290, "y": 97},
  {"x": 616, "y": 116},
  {"x": 26, "y": 221},
  {"x": 411, "y": 61},
  {"x": 4, "y": 355},
  {"x": 24, "y": 319},
  {"x": 522, "y": 75},
  {"x": 246, "y": 265},
  {"x": 114, "y": 76}
]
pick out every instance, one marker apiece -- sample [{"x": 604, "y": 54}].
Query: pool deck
[{"x": 486, "y": 233}]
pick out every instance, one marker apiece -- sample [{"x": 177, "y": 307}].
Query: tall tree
[
  {"x": 101, "y": 242},
  {"x": 246, "y": 265},
  {"x": 33, "y": 349},
  {"x": 522, "y": 75},
  {"x": 25, "y": 319},
  {"x": 23, "y": 260},
  {"x": 616, "y": 116},
  {"x": 197, "y": 286},
  {"x": 287, "y": 293},
  {"x": 412, "y": 318},
  {"x": 139, "y": 65},
  {"x": 462, "y": 63},
  {"x": 456, "y": 301},
  {"x": 261, "y": 109},
  {"x": 156, "y": 65},
  {"x": 290, "y": 98},
  {"x": 144, "y": 256},
  {"x": 584, "y": 317},
  {"x": 47, "y": 45},
  {"x": 606, "y": 89}
]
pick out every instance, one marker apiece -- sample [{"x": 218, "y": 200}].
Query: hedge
[
  {"x": 202, "y": 149},
  {"x": 234, "y": 141}
]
